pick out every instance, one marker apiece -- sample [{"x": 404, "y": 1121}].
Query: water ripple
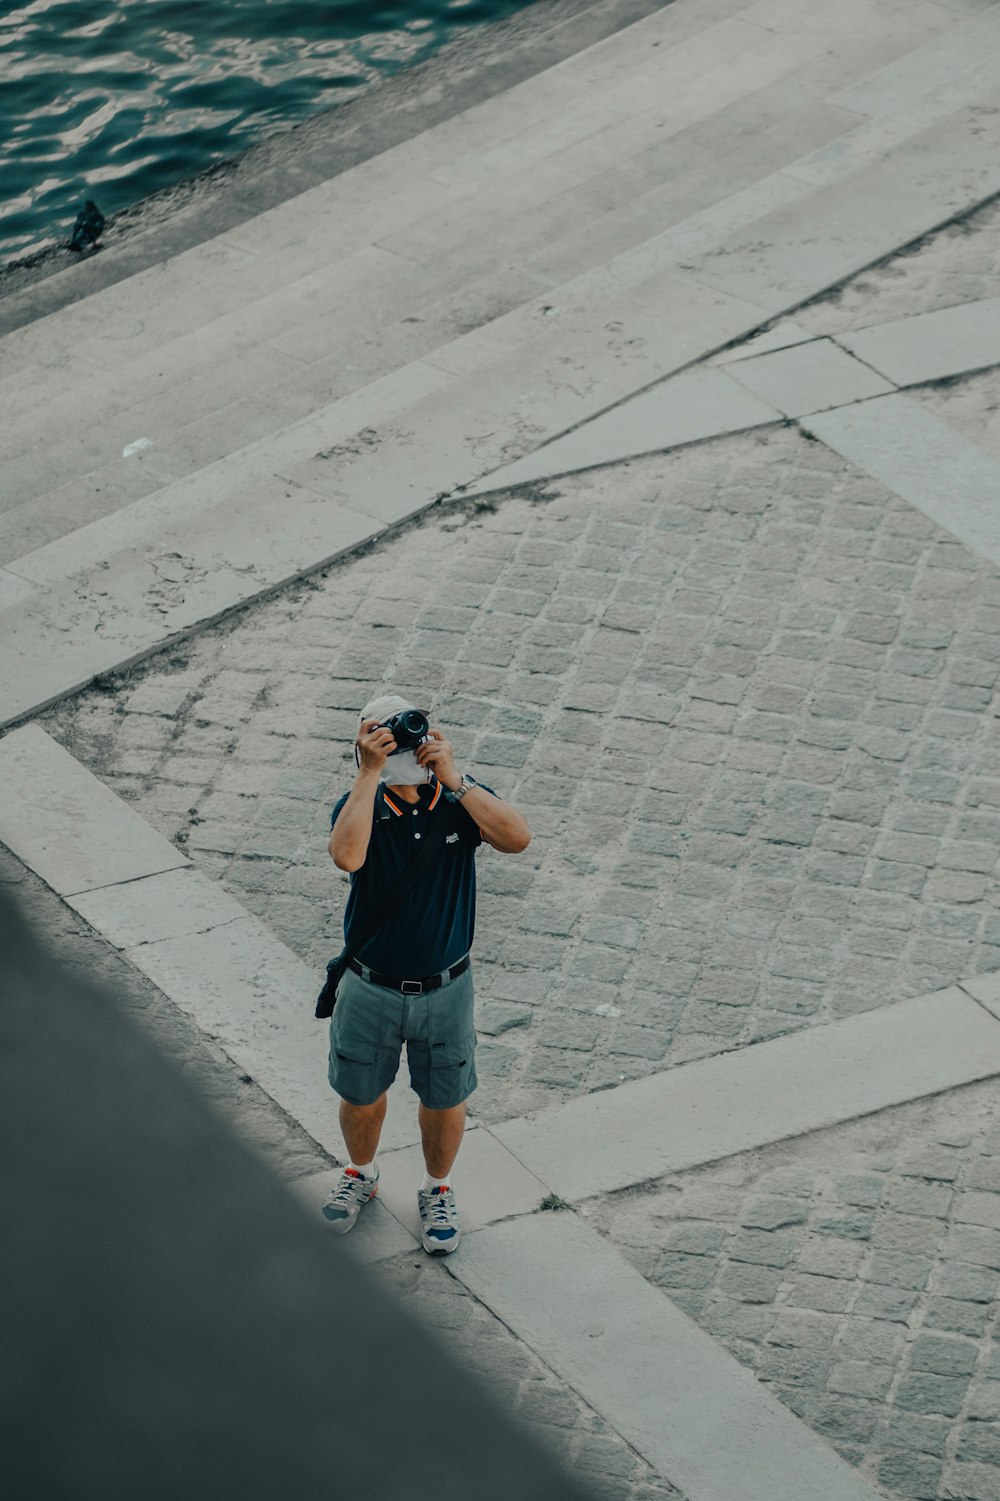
[{"x": 134, "y": 95}]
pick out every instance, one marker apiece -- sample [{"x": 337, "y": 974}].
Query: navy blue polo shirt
[{"x": 433, "y": 927}]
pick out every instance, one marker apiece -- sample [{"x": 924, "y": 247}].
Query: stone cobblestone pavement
[
  {"x": 747, "y": 698},
  {"x": 857, "y": 1272},
  {"x": 743, "y": 693}
]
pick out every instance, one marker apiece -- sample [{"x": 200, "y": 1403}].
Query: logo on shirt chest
[{"x": 451, "y": 839}]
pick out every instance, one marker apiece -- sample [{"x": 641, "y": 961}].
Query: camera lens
[{"x": 414, "y": 724}]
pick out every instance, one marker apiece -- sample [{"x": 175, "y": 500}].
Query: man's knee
[{"x": 363, "y": 1110}]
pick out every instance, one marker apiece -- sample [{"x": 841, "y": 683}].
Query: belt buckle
[{"x": 411, "y": 987}]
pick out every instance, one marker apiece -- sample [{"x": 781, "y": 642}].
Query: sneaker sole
[{"x": 438, "y": 1250}]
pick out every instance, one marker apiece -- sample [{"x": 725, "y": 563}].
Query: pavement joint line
[
  {"x": 529, "y": 468},
  {"x": 924, "y": 460},
  {"x": 964, "y": 986},
  {"x": 791, "y": 1086}
]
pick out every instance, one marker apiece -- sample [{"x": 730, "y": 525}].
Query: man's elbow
[
  {"x": 345, "y": 861},
  {"x": 517, "y": 841}
]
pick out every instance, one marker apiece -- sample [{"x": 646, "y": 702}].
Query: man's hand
[
  {"x": 375, "y": 744},
  {"x": 438, "y": 755}
]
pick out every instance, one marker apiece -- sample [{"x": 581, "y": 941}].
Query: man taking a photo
[{"x": 411, "y": 980}]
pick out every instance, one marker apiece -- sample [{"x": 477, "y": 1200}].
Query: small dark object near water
[{"x": 89, "y": 223}]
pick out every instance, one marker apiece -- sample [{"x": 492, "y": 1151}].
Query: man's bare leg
[
  {"x": 441, "y": 1134},
  {"x": 361, "y": 1127}
]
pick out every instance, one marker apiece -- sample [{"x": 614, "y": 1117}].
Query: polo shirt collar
[{"x": 392, "y": 803}]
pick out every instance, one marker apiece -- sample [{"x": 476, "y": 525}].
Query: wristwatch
[{"x": 463, "y": 787}]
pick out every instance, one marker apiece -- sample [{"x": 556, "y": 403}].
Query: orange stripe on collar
[
  {"x": 436, "y": 798},
  {"x": 398, "y": 811}
]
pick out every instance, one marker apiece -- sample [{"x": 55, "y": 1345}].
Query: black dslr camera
[{"x": 409, "y": 729}]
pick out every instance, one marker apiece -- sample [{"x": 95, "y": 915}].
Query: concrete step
[{"x": 168, "y": 366}]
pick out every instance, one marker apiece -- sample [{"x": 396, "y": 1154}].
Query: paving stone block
[
  {"x": 800, "y": 1366},
  {"x": 830, "y": 1258},
  {"x": 920, "y": 1392},
  {"x": 863, "y": 1189},
  {"x": 985, "y": 1401},
  {"x": 910, "y": 1475},
  {"x": 971, "y": 1243},
  {"x": 956, "y": 1317},
  {"x": 824, "y": 1294},
  {"x": 977, "y": 1208},
  {"x": 774, "y": 1213},
  {"x": 749, "y": 1284},
  {"x": 972, "y": 1482},
  {"x": 943, "y": 1356},
  {"x": 885, "y": 1303},
  {"x": 980, "y": 1441},
  {"x": 907, "y": 1233},
  {"x": 860, "y": 1379},
  {"x": 974, "y": 1283}
]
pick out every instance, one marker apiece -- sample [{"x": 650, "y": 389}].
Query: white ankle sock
[
  {"x": 430, "y": 1183},
  {"x": 366, "y": 1171}
]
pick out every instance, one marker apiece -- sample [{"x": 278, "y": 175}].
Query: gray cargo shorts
[{"x": 370, "y": 1024}]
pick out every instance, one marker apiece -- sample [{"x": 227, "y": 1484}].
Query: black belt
[{"x": 410, "y": 987}]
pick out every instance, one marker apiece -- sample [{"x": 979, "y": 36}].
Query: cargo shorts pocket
[
  {"x": 352, "y": 1072},
  {"x": 451, "y": 1077}
]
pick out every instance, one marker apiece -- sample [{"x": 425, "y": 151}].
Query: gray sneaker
[
  {"x": 345, "y": 1202},
  {"x": 439, "y": 1218}
]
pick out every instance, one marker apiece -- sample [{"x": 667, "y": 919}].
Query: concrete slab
[
  {"x": 236, "y": 478},
  {"x": 172, "y": 905},
  {"x": 832, "y": 160},
  {"x": 66, "y": 825},
  {"x": 923, "y": 460},
  {"x": 250, "y": 993},
  {"x": 699, "y": 1112},
  {"x": 693, "y": 405},
  {"x": 644, "y": 88},
  {"x": 809, "y": 378},
  {"x": 632, "y": 340},
  {"x": 138, "y": 600},
  {"x": 377, "y": 1236},
  {"x": 14, "y": 590},
  {"x": 255, "y": 999},
  {"x": 688, "y": 1407},
  {"x": 930, "y": 346},
  {"x": 650, "y": 248},
  {"x": 490, "y": 1184},
  {"x": 986, "y": 990},
  {"x": 818, "y": 240},
  {"x": 927, "y": 68},
  {"x": 782, "y": 336}
]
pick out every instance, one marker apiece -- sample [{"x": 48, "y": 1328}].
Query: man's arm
[
  {"x": 500, "y": 824},
  {"x": 351, "y": 833}
]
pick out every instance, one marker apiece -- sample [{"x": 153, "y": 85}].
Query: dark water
[{"x": 114, "y": 99}]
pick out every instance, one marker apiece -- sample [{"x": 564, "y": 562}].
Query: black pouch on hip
[{"x": 327, "y": 998}]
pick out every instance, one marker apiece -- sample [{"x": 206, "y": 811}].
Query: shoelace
[
  {"x": 346, "y": 1189},
  {"x": 442, "y": 1205}
]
